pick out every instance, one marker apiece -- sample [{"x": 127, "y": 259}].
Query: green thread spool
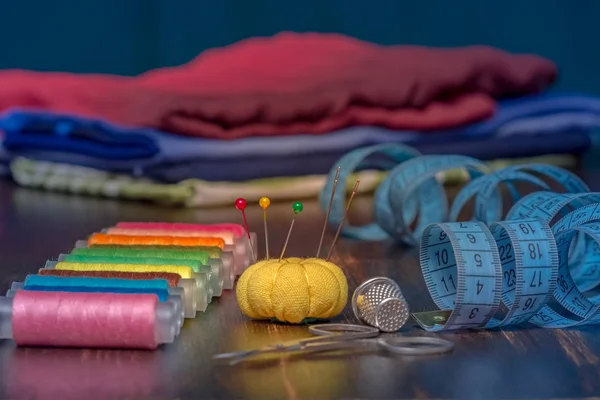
[
  {"x": 195, "y": 265},
  {"x": 201, "y": 256}
]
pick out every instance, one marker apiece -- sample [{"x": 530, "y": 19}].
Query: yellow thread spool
[{"x": 183, "y": 271}]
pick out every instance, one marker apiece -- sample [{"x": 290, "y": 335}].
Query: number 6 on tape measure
[{"x": 472, "y": 270}]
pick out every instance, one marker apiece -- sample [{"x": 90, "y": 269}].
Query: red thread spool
[{"x": 101, "y": 320}]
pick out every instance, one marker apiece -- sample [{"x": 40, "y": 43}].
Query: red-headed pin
[{"x": 240, "y": 204}]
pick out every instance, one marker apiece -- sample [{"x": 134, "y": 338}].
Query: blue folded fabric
[
  {"x": 244, "y": 168},
  {"x": 168, "y": 157},
  {"x": 44, "y": 131}
]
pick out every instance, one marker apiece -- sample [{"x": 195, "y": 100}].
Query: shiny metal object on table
[
  {"x": 340, "y": 336},
  {"x": 405, "y": 345},
  {"x": 379, "y": 302},
  {"x": 325, "y": 338}
]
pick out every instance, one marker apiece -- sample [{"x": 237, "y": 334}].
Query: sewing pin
[
  {"x": 335, "y": 181},
  {"x": 297, "y": 207},
  {"x": 240, "y": 204},
  {"x": 339, "y": 229},
  {"x": 264, "y": 202}
]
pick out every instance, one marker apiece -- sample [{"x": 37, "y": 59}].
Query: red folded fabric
[{"x": 291, "y": 84}]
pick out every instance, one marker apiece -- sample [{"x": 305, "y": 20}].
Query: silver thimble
[{"x": 379, "y": 302}]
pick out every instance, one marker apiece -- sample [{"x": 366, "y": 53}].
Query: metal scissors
[{"x": 339, "y": 336}]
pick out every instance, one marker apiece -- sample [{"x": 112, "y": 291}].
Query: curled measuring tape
[
  {"x": 537, "y": 264},
  {"x": 412, "y": 196},
  {"x": 471, "y": 271},
  {"x": 518, "y": 270}
]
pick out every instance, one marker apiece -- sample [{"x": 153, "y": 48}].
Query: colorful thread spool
[
  {"x": 228, "y": 237},
  {"x": 201, "y": 256},
  {"x": 219, "y": 263},
  {"x": 211, "y": 252},
  {"x": 237, "y": 230},
  {"x": 101, "y": 239},
  {"x": 199, "y": 280},
  {"x": 238, "y": 255},
  {"x": 193, "y": 264},
  {"x": 158, "y": 287},
  {"x": 213, "y": 279},
  {"x": 173, "y": 279},
  {"x": 239, "y": 246},
  {"x": 97, "y": 320},
  {"x": 165, "y": 242},
  {"x": 161, "y": 269}
]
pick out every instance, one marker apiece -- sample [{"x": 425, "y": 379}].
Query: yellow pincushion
[{"x": 292, "y": 290}]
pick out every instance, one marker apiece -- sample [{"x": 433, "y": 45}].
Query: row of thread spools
[{"x": 129, "y": 286}]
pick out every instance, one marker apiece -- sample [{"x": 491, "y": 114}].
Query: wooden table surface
[{"x": 509, "y": 363}]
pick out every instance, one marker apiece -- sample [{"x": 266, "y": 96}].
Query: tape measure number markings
[
  {"x": 549, "y": 207},
  {"x": 535, "y": 267},
  {"x": 461, "y": 266},
  {"x": 529, "y": 258},
  {"x": 472, "y": 271},
  {"x": 577, "y": 213}
]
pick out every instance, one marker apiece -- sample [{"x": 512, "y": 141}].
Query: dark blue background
[{"x": 131, "y": 36}]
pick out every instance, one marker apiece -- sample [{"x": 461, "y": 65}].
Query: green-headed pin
[{"x": 297, "y": 207}]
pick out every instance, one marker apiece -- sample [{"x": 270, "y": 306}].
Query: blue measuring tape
[
  {"x": 534, "y": 264},
  {"x": 411, "y": 195}
]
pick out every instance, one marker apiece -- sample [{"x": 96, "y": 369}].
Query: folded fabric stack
[{"x": 250, "y": 116}]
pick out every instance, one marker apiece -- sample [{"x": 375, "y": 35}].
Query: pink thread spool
[
  {"x": 240, "y": 246},
  {"x": 92, "y": 320},
  {"x": 237, "y": 229}
]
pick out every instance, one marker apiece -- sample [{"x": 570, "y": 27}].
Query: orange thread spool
[
  {"x": 173, "y": 279},
  {"x": 102, "y": 239}
]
